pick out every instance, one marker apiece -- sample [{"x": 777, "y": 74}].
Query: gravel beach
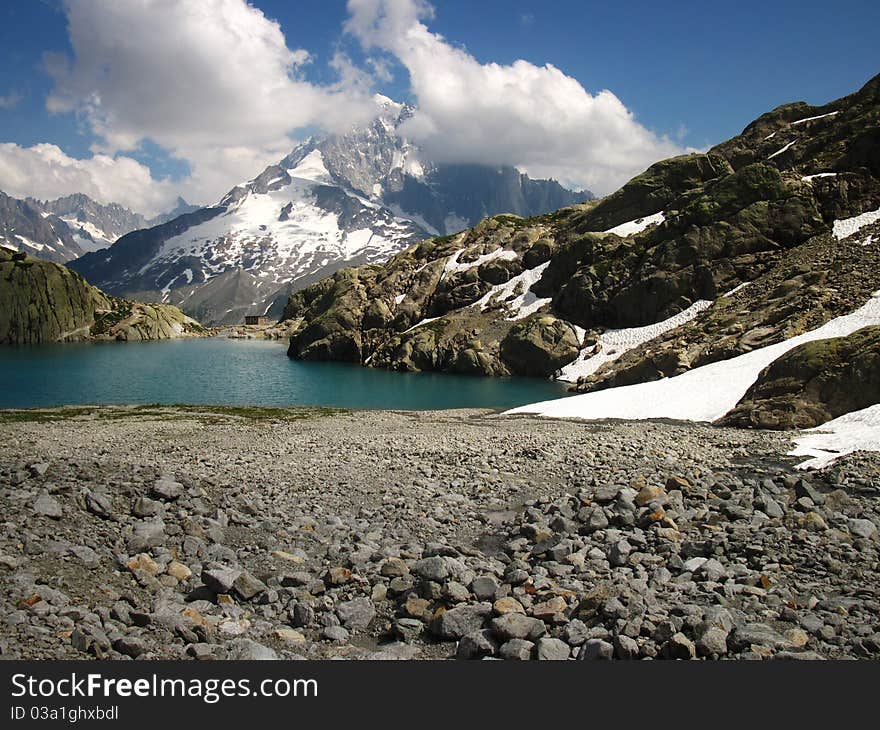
[{"x": 178, "y": 533}]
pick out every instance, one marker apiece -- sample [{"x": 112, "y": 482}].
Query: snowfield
[
  {"x": 703, "y": 394},
  {"x": 615, "y": 343},
  {"x": 850, "y": 226}
]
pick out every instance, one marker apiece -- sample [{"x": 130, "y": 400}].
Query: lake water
[{"x": 236, "y": 372}]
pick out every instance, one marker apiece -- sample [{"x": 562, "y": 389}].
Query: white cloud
[
  {"x": 44, "y": 171},
  {"x": 535, "y": 117},
  {"x": 10, "y": 100},
  {"x": 211, "y": 81}
]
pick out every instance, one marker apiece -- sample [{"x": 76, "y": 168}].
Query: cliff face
[
  {"x": 767, "y": 228},
  {"x": 45, "y": 302}
]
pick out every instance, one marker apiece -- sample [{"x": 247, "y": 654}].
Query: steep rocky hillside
[
  {"x": 700, "y": 258},
  {"x": 42, "y": 301}
]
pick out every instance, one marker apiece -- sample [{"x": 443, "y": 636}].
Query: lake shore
[{"x": 163, "y": 532}]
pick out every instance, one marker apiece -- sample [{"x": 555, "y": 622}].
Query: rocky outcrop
[
  {"x": 758, "y": 210},
  {"x": 46, "y": 302},
  {"x": 814, "y": 383}
]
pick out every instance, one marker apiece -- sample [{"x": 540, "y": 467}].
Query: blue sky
[{"x": 691, "y": 73}]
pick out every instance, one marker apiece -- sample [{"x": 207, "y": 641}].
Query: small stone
[
  {"x": 220, "y": 580},
  {"x": 476, "y": 645},
  {"x": 680, "y": 646},
  {"x": 516, "y": 650},
  {"x": 550, "y": 610},
  {"x": 812, "y": 521},
  {"x": 416, "y": 607},
  {"x": 179, "y": 571},
  {"x": 408, "y": 629},
  {"x": 288, "y": 557},
  {"x": 712, "y": 642},
  {"x": 462, "y": 620},
  {"x": 248, "y": 586},
  {"x": 552, "y": 650},
  {"x": 434, "y": 568},
  {"x": 862, "y": 528},
  {"x": 130, "y": 646},
  {"x": 167, "y": 489},
  {"x": 518, "y": 626},
  {"x": 484, "y": 587},
  {"x": 291, "y": 636},
  {"x": 48, "y": 506},
  {"x": 507, "y": 604},
  {"x": 145, "y": 563},
  {"x": 596, "y": 649},
  {"x": 249, "y": 650},
  {"x": 337, "y": 576},
  {"x": 625, "y": 647},
  {"x": 394, "y": 568},
  {"x": 99, "y": 505},
  {"x": 648, "y": 494},
  {"x": 145, "y": 507},
  {"x": 356, "y": 614},
  {"x": 337, "y": 634},
  {"x": 619, "y": 552}
]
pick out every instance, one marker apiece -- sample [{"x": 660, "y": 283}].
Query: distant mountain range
[
  {"x": 339, "y": 200},
  {"x": 66, "y": 228}
]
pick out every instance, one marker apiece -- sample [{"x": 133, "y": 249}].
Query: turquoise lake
[{"x": 236, "y": 372}]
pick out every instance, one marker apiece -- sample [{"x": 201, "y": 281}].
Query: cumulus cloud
[
  {"x": 211, "y": 81},
  {"x": 535, "y": 117},
  {"x": 44, "y": 171}
]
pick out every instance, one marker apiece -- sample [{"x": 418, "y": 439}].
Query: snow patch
[
  {"x": 812, "y": 119},
  {"x": 810, "y": 178},
  {"x": 784, "y": 149},
  {"x": 850, "y": 226},
  {"x": 614, "y": 343},
  {"x": 855, "y": 431},
  {"x": 703, "y": 394},
  {"x": 521, "y": 304},
  {"x": 630, "y": 228},
  {"x": 452, "y": 265}
]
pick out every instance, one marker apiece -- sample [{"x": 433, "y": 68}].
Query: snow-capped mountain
[
  {"x": 339, "y": 200},
  {"x": 64, "y": 229}
]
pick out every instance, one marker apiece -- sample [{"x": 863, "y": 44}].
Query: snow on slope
[
  {"x": 850, "y": 226},
  {"x": 516, "y": 294},
  {"x": 856, "y": 431},
  {"x": 630, "y": 228},
  {"x": 702, "y": 394},
  {"x": 614, "y": 343}
]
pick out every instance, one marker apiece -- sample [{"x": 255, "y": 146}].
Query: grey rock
[
  {"x": 462, "y": 620},
  {"x": 337, "y": 634},
  {"x": 99, "y": 505},
  {"x": 518, "y": 626},
  {"x": 547, "y": 649},
  {"x": 246, "y": 585},
  {"x": 220, "y": 580},
  {"x": 484, "y": 587},
  {"x": 48, "y": 506},
  {"x": 476, "y": 645},
  {"x": 167, "y": 489},
  {"x": 596, "y": 649},
  {"x": 250, "y": 650},
  {"x": 356, "y": 614},
  {"x": 516, "y": 650},
  {"x": 862, "y": 528},
  {"x": 434, "y": 568}
]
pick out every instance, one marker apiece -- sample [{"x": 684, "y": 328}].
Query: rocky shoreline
[{"x": 213, "y": 533}]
